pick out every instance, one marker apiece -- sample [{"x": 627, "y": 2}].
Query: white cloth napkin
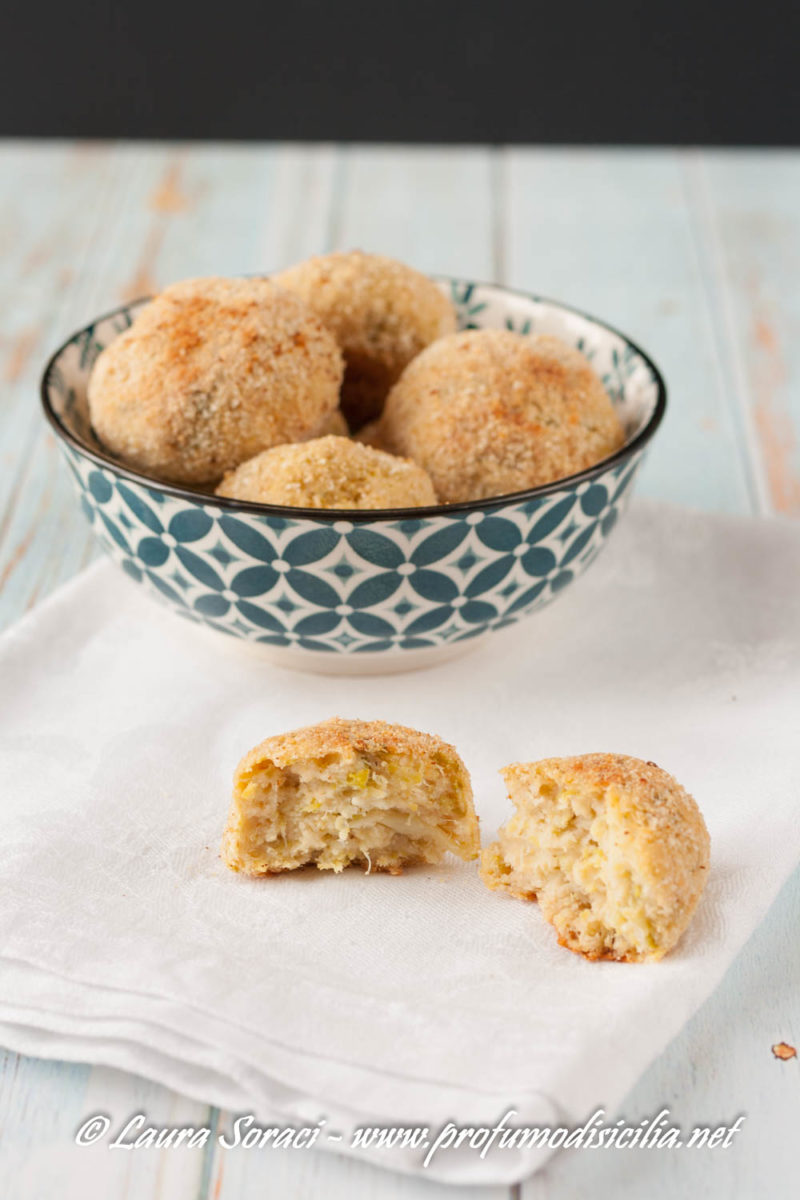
[{"x": 367, "y": 1000}]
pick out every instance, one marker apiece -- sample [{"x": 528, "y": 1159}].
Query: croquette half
[
  {"x": 613, "y": 848},
  {"x": 349, "y": 792}
]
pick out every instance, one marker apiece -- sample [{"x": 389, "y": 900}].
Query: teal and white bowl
[{"x": 356, "y": 591}]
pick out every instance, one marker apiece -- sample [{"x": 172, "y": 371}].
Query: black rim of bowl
[{"x": 363, "y": 515}]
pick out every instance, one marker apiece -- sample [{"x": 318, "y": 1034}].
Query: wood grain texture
[
  {"x": 754, "y": 215},
  {"x": 429, "y": 206},
  {"x": 694, "y": 254},
  {"x": 44, "y": 1103},
  {"x": 236, "y": 1175}
]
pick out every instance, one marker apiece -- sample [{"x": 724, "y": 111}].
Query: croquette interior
[
  {"x": 571, "y": 843},
  {"x": 378, "y": 809}
]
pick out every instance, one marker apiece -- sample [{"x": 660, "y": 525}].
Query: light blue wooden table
[{"x": 695, "y": 254}]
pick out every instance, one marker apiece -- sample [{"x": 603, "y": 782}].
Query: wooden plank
[
  {"x": 273, "y": 1174},
  {"x": 431, "y": 207},
  {"x": 53, "y": 202},
  {"x": 44, "y": 1103},
  {"x": 199, "y": 210},
  {"x": 302, "y": 212},
  {"x": 611, "y": 232},
  {"x": 57, "y": 263},
  {"x": 751, "y": 205}
]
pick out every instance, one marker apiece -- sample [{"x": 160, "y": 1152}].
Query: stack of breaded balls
[{"x": 341, "y": 384}]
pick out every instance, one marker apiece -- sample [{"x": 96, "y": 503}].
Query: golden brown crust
[
  {"x": 330, "y": 472},
  {"x": 665, "y": 843},
  {"x": 211, "y": 372},
  {"x": 381, "y": 312},
  {"x": 659, "y": 809},
  {"x": 488, "y": 412},
  {"x": 347, "y": 736}
]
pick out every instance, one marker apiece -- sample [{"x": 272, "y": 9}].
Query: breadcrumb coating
[
  {"x": 613, "y": 848},
  {"x": 330, "y": 472},
  {"x": 488, "y": 412},
  {"x": 381, "y": 312},
  {"x": 349, "y": 791},
  {"x": 211, "y": 372}
]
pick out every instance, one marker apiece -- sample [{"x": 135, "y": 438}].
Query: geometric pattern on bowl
[{"x": 358, "y": 583}]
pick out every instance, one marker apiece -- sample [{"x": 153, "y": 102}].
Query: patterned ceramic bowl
[{"x": 361, "y": 591}]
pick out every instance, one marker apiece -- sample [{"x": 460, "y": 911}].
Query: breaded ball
[
  {"x": 345, "y": 792},
  {"x": 210, "y": 373},
  {"x": 613, "y": 848},
  {"x": 381, "y": 312},
  {"x": 488, "y": 412},
  {"x": 329, "y": 472}
]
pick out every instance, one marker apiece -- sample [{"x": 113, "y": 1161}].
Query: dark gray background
[{"x": 470, "y": 70}]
